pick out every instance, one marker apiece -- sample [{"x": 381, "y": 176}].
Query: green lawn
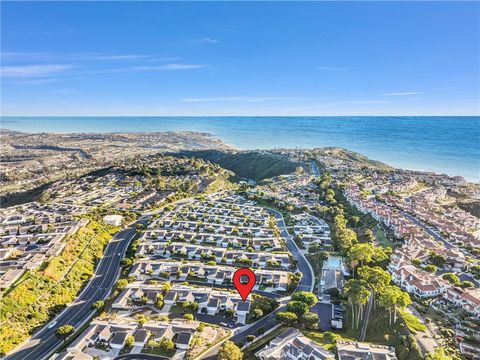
[
  {"x": 159, "y": 352},
  {"x": 382, "y": 239},
  {"x": 413, "y": 323},
  {"x": 325, "y": 340},
  {"x": 177, "y": 309}
]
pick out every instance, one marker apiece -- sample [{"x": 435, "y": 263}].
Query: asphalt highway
[{"x": 44, "y": 342}]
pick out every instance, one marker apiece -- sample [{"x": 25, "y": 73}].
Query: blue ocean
[{"x": 444, "y": 144}]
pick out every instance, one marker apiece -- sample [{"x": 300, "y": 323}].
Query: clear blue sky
[{"x": 232, "y": 58}]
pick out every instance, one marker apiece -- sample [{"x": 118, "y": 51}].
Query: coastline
[{"x": 447, "y": 144}]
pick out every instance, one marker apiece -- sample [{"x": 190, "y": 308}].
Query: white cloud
[
  {"x": 205, "y": 40},
  {"x": 407, "y": 93},
  {"x": 173, "y": 66},
  {"x": 14, "y": 55},
  {"x": 35, "y": 81},
  {"x": 111, "y": 57},
  {"x": 27, "y": 71},
  {"x": 121, "y": 57},
  {"x": 80, "y": 57},
  {"x": 166, "y": 67}
]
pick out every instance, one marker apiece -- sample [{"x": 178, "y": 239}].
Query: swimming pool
[{"x": 333, "y": 262}]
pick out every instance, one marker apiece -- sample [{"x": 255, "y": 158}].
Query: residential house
[{"x": 292, "y": 345}]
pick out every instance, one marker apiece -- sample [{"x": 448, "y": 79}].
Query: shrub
[
  {"x": 121, "y": 284},
  {"x": 129, "y": 341},
  {"x": 98, "y": 304}
]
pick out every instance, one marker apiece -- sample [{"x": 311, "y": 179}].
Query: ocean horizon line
[
  {"x": 239, "y": 116},
  {"x": 440, "y": 144}
]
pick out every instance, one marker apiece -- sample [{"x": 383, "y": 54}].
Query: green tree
[
  {"x": 357, "y": 292},
  {"x": 355, "y": 220},
  {"x": 153, "y": 344},
  {"x": 126, "y": 262},
  {"x": 330, "y": 197},
  {"x": 310, "y": 320},
  {"x": 98, "y": 304},
  {"x": 360, "y": 254},
  {"x": 64, "y": 330},
  {"x": 229, "y": 351},
  {"x": 367, "y": 236},
  {"x": 142, "y": 319},
  {"x": 167, "y": 344},
  {"x": 451, "y": 278},
  {"x": 466, "y": 284},
  {"x": 437, "y": 259},
  {"x": 297, "y": 307},
  {"x": 330, "y": 338},
  {"x": 257, "y": 313},
  {"x": 416, "y": 262},
  {"x": 392, "y": 298},
  {"x": 188, "y": 317},
  {"x": 166, "y": 287},
  {"x": 431, "y": 268},
  {"x": 325, "y": 181},
  {"x": 375, "y": 277},
  {"x": 387, "y": 300},
  {"x": 194, "y": 306},
  {"x": 129, "y": 340},
  {"x": 121, "y": 284},
  {"x": 381, "y": 256},
  {"x": 287, "y": 318},
  {"x": 306, "y": 297},
  {"x": 343, "y": 237},
  {"x": 475, "y": 269}
]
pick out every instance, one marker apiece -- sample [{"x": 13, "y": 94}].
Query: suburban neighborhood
[{"x": 336, "y": 249}]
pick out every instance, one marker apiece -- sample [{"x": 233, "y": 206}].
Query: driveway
[
  {"x": 136, "y": 350},
  {"x": 324, "y": 312}
]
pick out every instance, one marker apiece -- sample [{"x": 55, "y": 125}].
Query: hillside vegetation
[
  {"x": 45, "y": 292},
  {"x": 352, "y": 157},
  {"x": 256, "y": 165}
]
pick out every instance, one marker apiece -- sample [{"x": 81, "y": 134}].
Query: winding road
[
  {"x": 44, "y": 342},
  {"x": 306, "y": 283},
  {"x": 314, "y": 167}
]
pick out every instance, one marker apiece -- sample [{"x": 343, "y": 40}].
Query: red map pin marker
[{"x": 244, "y": 281}]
